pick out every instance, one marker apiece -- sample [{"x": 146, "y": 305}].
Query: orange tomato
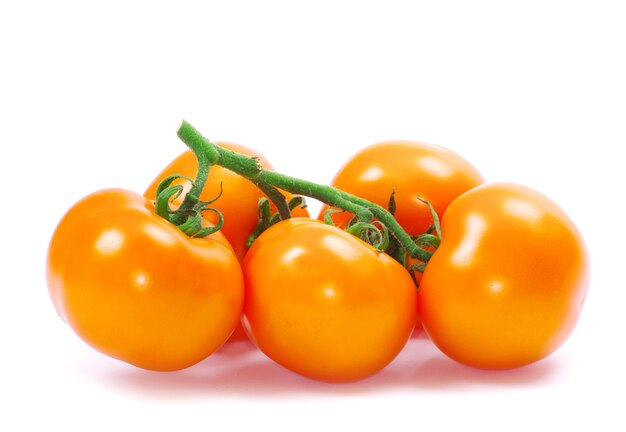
[
  {"x": 413, "y": 170},
  {"x": 325, "y": 304},
  {"x": 136, "y": 288},
  {"x": 238, "y": 202},
  {"x": 507, "y": 284}
]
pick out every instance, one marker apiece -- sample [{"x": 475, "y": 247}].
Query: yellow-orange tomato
[
  {"x": 136, "y": 288},
  {"x": 507, "y": 284},
  {"x": 325, "y": 304},
  {"x": 413, "y": 169},
  {"x": 238, "y": 202}
]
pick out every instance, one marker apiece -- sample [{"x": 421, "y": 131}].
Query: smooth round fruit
[
  {"x": 238, "y": 202},
  {"x": 136, "y": 288},
  {"x": 507, "y": 284},
  {"x": 325, "y": 304},
  {"x": 413, "y": 170},
  {"x": 239, "y": 198}
]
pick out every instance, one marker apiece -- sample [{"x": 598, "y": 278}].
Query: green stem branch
[
  {"x": 275, "y": 196},
  {"x": 207, "y": 155},
  {"x": 251, "y": 169}
]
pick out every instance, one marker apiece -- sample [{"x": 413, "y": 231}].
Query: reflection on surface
[
  {"x": 292, "y": 254},
  {"x": 340, "y": 247},
  {"x": 373, "y": 173},
  {"x": 522, "y": 209},
  {"x": 329, "y": 292},
  {"x": 239, "y": 369},
  {"x": 158, "y": 234},
  {"x": 434, "y": 166},
  {"x": 110, "y": 241},
  {"x": 496, "y": 286},
  {"x": 140, "y": 280},
  {"x": 474, "y": 229}
]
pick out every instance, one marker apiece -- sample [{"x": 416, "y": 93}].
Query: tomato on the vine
[
  {"x": 238, "y": 201},
  {"x": 413, "y": 170},
  {"x": 239, "y": 197},
  {"x": 507, "y": 284},
  {"x": 136, "y": 288},
  {"x": 325, "y": 304}
]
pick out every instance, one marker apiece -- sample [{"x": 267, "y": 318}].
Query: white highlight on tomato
[
  {"x": 435, "y": 166},
  {"x": 523, "y": 209},
  {"x": 140, "y": 280},
  {"x": 338, "y": 246},
  {"x": 110, "y": 241},
  {"x": 373, "y": 173},
  {"x": 474, "y": 229},
  {"x": 159, "y": 234},
  {"x": 292, "y": 254}
]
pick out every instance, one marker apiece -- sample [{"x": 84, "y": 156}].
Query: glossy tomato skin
[
  {"x": 136, "y": 288},
  {"x": 239, "y": 200},
  {"x": 507, "y": 284},
  {"x": 413, "y": 169},
  {"x": 324, "y": 304}
]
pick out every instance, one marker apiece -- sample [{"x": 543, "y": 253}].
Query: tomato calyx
[
  {"x": 190, "y": 217},
  {"x": 391, "y": 205},
  {"x": 374, "y": 233},
  {"x": 377, "y": 234},
  {"x": 267, "y": 218}
]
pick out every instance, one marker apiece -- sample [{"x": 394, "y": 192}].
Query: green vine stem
[
  {"x": 250, "y": 168},
  {"x": 277, "y": 198},
  {"x": 188, "y": 216},
  {"x": 207, "y": 156}
]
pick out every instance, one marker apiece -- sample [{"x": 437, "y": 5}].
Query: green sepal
[
  {"x": 417, "y": 268},
  {"x": 427, "y": 240},
  {"x": 263, "y": 221},
  {"x": 192, "y": 226},
  {"x": 162, "y": 202},
  {"x": 167, "y": 181},
  {"x": 205, "y": 231},
  {"x": 433, "y": 214},
  {"x": 328, "y": 220},
  {"x": 391, "y": 206},
  {"x": 297, "y": 201}
]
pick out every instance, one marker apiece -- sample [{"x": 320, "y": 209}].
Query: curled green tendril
[
  {"x": 163, "y": 198},
  {"x": 372, "y": 234},
  {"x": 328, "y": 220}
]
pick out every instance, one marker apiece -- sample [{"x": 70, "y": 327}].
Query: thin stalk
[
  {"x": 207, "y": 155},
  {"x": 251, "y": 169},
  {"x": 275, "y": 196}
]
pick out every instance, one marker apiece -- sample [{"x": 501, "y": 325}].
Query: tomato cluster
[
  {"x": 237, "y": 201},
  {"x": 502, "y": 286}
]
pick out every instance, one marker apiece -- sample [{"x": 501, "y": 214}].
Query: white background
[{"x": 91, "y": 95}]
